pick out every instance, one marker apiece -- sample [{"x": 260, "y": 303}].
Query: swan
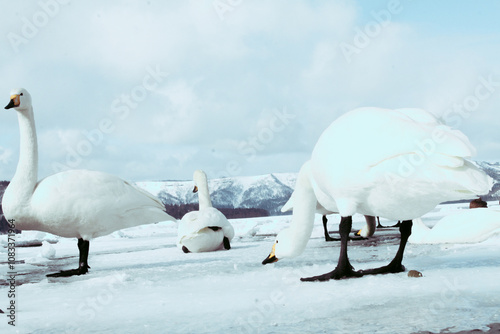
[
  {"x": 397, "y": 164},
  {"x": 468, "y": 226},
  {"x": 79, "y": 204},
  {"x": 367, "y": 231},
  {"x": 205, "y": 230}
]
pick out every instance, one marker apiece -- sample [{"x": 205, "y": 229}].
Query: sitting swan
[
  {"x": 205, "y": 230},
  {"x": 467, "y": 226},
  {"x": 367, "y": 231},
  {"x": 398, "y": 164},
  {"x": 73, "y": 204}
]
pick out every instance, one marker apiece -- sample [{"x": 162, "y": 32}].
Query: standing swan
[
  {"x": 205, "y": 230},
  {"x": 398, "y": 164},
  {"x": 73, "y": 204}
]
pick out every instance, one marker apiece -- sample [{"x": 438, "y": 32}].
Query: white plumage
[
  {"x": 76, "y": 203},
  {"x": 396, "y": 164},
  {"x": 207, "y": 229},
  {"x": 468, "y": 226}
]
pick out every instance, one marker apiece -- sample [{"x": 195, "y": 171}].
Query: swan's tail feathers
[{"x": 475, "y": 180}]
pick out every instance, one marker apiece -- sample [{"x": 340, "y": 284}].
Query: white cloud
[{"x": 225, "y": 78}]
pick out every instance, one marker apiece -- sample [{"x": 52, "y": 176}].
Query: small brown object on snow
[{"x": 478, "y": 203}]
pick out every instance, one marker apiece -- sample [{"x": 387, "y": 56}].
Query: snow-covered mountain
[
  {"x": 268, "y": 192},
  {"x": 493, "y": 170}
]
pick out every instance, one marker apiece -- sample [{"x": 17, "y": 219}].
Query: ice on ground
[{"x": 140, "y": 282}]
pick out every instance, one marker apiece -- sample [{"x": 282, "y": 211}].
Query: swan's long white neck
[
  {"x": 304, "y": 208},
  {"x": 26, "y": 177},
  {"x": 203, "y": 194}
]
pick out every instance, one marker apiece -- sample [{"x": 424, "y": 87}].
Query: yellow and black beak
[
  {"x": 272, "y": 257},
  {"x": 195, "y": 190},
  {"x": 15, "y": 101}
]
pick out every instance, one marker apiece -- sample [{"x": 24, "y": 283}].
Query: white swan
[
  {"x": 74, "y": 204},
  {"x": 367, "y": 231},
  {"x": 467, "y": 226},
  {"x": 205, "y": 230},
  {"x": 397, "y": 164}
]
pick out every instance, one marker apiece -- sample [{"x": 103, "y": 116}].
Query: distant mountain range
[{"x": 267, "y": 193}]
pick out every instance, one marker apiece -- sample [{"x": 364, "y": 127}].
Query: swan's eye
[{"x": 21, "y": 94}]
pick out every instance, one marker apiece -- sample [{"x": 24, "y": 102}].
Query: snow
[{"x": 140, "y": 282}]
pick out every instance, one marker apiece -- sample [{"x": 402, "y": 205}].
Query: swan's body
[
  {"x": 396, "y": 164},
  {"x": 468, "y": 226},
  {"x": 77, "y": 203},
  {"x": 205, "y": 230}
]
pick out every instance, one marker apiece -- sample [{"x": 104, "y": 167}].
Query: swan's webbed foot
[
  {"x": 83, "y": 268},
  {"x": 185, "y": 249},
  {"x": 392, "y": 268},
  {"x": 337, "y": 273},
  {"x": 344, "y": 268},
  {"x": 396, "y": 265},
  {"x": 226, "y": 243}
]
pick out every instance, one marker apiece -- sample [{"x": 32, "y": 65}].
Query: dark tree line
[{"x": 178, "y": 211}]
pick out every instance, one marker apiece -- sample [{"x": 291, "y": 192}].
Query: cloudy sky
[{"x": 152, "y": 90}]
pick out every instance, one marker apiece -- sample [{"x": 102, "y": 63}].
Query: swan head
[
  {"x": 283, "y": 247},
  {"x": 20, "y": 99},
  {"x": 200, "y": 178}
]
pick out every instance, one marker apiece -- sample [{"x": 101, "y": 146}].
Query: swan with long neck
[
  {"x": 397, "y": 164},
  {"x": 76, "y": 203},
  {"x": 207, "y": 229}
]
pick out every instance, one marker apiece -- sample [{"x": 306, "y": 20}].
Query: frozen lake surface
[{"x": 140, "y": 282}]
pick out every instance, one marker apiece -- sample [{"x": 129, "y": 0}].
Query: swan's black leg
[
  {"x": 327, "y": 235},
  {"x": 396, "y": 265},
  {"x": 344, "y": 268},
  {"x": 185, "y": 249},
  {"x": 83, "y": 266},
  {"x": 227, "y": 245}
]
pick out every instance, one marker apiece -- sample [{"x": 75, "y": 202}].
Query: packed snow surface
[{"x": 140, "y": 282}]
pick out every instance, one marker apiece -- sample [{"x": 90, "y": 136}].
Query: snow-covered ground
[{"x": 140, "y": 282}]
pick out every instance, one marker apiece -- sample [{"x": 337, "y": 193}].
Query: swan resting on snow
[
  {"x": 367, "y": 231},
  {"x": 468, "y": 226},
  {"x": 205, "y": 230},
  {"x": 397, "y": 164},
  {"x": 74, "y": 204}
]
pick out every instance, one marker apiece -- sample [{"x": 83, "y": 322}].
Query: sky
[{"x": 153, "y": 90}]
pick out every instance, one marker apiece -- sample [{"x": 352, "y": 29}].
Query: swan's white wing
[
  {"x": 82, "y": 203},
  {"x": 354, "y": 158}
]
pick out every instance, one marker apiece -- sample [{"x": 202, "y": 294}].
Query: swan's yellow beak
[
  {"x": 272, "y": 257},
  {"x": 15, "y": 101},
  {"x": 195, "y": 190}
]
